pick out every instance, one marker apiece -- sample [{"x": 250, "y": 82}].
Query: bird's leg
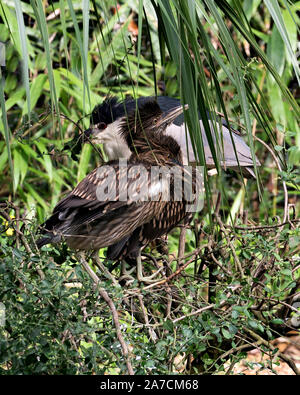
[
  {"x": 124, "y": 271},
  {"x": 96, "y": 260},
  {"x": 140, "y": 276},
  {"x": 126, "y": 274}
]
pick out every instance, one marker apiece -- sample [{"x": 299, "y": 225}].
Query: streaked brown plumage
[{"x": 127, "y": 226}]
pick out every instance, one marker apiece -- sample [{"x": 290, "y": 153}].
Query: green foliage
[
  {"x": 57, "y": 323},
  {"x": 46, "y": 329}
]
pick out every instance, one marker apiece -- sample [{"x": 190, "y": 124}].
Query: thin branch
[
  {"x": 113, "y": 310},
  {"x": 236, "y": 259},
  {"x": 263, "y": 227},
  {"x": 151, "y": 331},
  {"x": 181, "y": 246},
  {"x": 286, "y": 200},
  {"x": 287, "y": 359}
]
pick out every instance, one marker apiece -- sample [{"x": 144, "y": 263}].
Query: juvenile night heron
[
  {"x": 98, "y": 214},
  {"x": 105, "y": 129}
]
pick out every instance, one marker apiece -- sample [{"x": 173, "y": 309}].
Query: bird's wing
[
  {"x": 171, "y": 214},
  {"x": 98, "y": 212},
  {"x": 223, "y": 145}
]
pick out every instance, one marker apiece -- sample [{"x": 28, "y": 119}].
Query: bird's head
[
  {"x": 118, "y": 126},
  {"x": 105, "y": 128},
  {"x": 144, "y": 131},
  {"x": 150, "y": 118},
  {"x": 103, "y": 116}
]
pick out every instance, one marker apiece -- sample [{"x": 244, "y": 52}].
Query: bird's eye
[{"x": 101, "y": 125}]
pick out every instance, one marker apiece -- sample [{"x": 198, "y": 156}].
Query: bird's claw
[{"x": 148, "y": 279}]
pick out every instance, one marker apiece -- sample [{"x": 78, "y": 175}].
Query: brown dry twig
[
  {"x": 266, "y": 228},
  {"x": 267, "y": 344},
  {"x": 236, "y": 259},
  {"x": 113, "y": 310}
]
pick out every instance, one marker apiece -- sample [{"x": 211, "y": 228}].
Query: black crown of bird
[{"x": 125, "y": 226}]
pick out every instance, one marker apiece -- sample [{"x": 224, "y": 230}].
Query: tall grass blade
[
  {"x": 275, "y": 11},
  {"x": 42, "y": 23},
  {"x": 25, "y": 57},
  {"x": 83, "y": 52},
  {"x": 6, "y": 129}
]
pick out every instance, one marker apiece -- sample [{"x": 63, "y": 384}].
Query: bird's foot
[
  {"x": 148, "y": 279},
  {"x": 125, "y": 275},
  {"x": 126, "y": 280}
]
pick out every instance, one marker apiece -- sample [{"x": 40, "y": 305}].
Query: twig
[
  {"x": 262, "y": 227},
  {"x": 181, "y": 246},
  {"x": 176, "y": 273},
  {"x": 199, "y": 311},
  {"x": 113, "y": 310},
  {"x": 219, "y": 264},
  {"x": 23, "y": 240},
  {"x": 283, "y": 182},
  {"x": 238, "y": 263},
  {"x": 151, "y": 331},
  {"x": 288, "y": 360},
  {"x": 96, "y": 259}
]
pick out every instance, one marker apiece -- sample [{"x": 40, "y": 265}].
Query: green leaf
[
  {"x": 6, "y": 128},
  {"x": 36, "y": 195},
  {"x": 84, "y": 162},
  {"x": 275, "y": 50},
  {"x": 35, "y": 91},
  {"x": 226, "y": 333},
  {"x": 45, "y": 160},
  {"x": 25, "y": 57},
  {"x": 275, "y": 11},
  {"x": 253, "y": 324},
  {"x": 20, "y": 167},
  {"x": 287, "y": 272},
  {"x": 277, "y": 321}
]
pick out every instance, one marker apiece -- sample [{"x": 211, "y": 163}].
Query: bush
[{"x": 232, "y": 293}]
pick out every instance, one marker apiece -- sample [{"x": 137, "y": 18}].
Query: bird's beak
[
  {"x": 87, "y": 134},
  {"x": 166, "y": 120}
]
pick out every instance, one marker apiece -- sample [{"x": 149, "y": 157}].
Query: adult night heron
[
  {"x": 126, "y": 206},
  {"x": 105, "y": 129}
]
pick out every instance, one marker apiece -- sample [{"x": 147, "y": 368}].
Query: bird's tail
[
  {"x": 46, "y": 239},
  {"x": 48, "y": 233}
]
